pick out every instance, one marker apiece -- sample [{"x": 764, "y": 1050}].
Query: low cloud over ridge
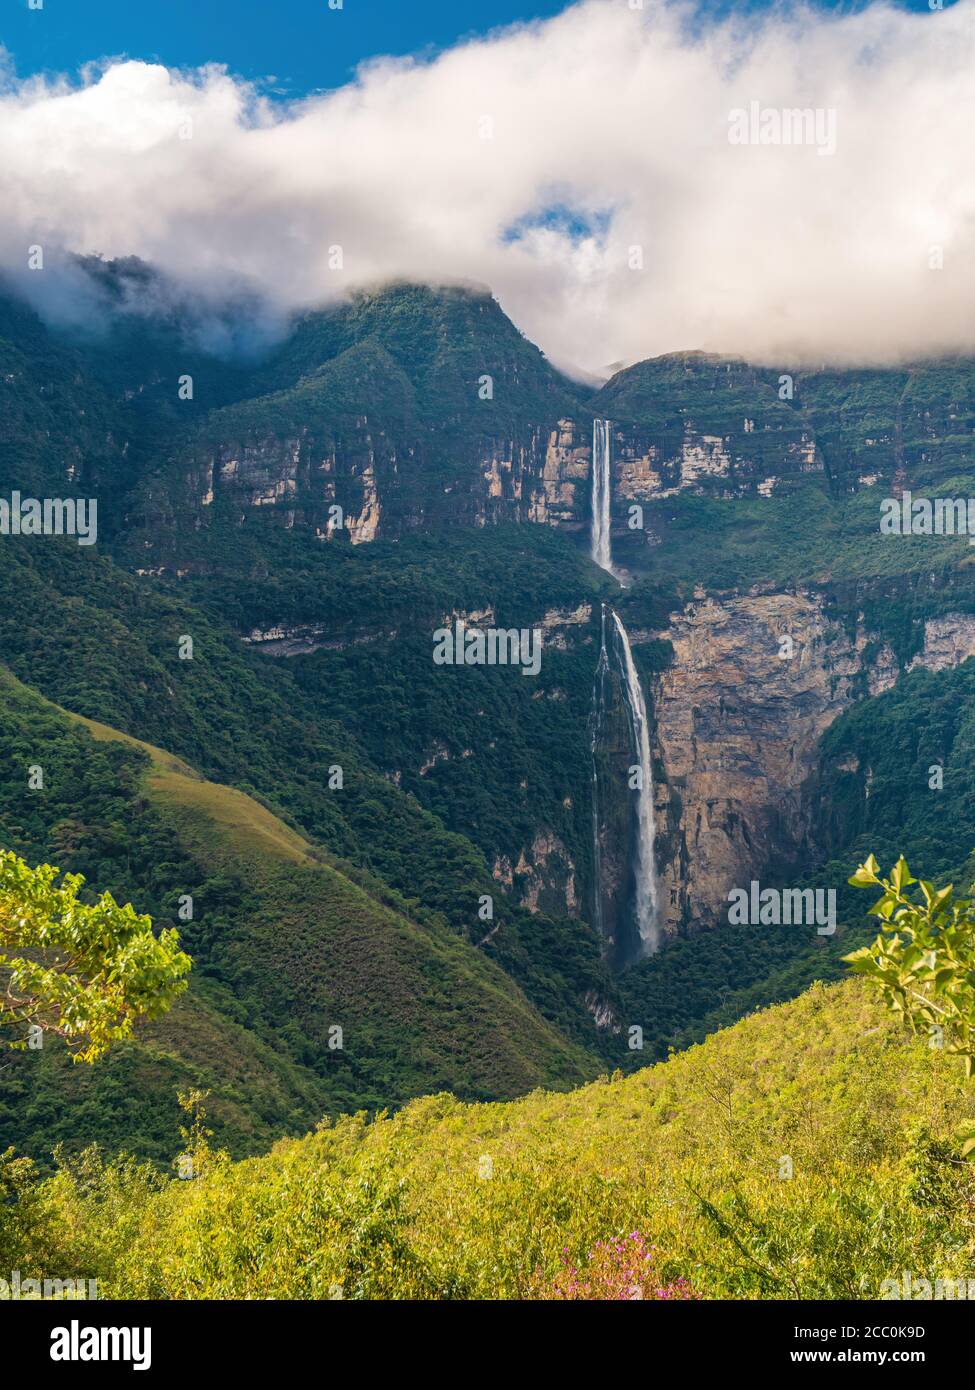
[{"x": 535, "y": 160}]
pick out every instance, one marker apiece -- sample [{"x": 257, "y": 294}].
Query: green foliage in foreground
[
  {"x": 923, "y": 961},
  {"x": 805, "y": 1152},
  {"x": 84, "y": 972}
]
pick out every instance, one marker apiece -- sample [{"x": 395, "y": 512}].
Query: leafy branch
[
  {"x": 923, "y": 961},
  {"x": 83, "y": 972}
]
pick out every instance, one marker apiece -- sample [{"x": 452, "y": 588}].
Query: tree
[
  {"x": 924, "y": 959},
  {"x": 83, "y": 972}
]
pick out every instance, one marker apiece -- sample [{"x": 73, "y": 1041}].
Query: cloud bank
[{"x": 581, "y": 167}]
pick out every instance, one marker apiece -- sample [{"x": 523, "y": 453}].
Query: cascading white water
[
  {"x": 595, "y": 727},
  {"x": 600, "y": 545},
  {"x": 645, "y": 865},
  {"x": 646, "y": 869}
]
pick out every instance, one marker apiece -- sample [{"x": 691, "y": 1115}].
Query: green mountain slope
[
  {"x": 800, "y": 1153},
  {"x": 441, "y": 341},
  {"x": 448, "y": 775},
  {"x": 106, "y": 644},
  {"x": 293, "y": 950}
]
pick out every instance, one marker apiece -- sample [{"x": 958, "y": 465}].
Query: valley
[
  {"x": 487, "y": 674},
  {"x": 483, "y": 877}
]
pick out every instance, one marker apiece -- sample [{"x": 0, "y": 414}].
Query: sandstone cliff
[{"x": 755, "y": 682}]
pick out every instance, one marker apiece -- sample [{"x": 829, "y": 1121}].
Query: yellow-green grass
[
  {"x": 780, "y": 1158},
  {"x": 244, "y": 824}
]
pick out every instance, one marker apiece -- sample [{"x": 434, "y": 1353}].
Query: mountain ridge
[{"x": 461, "y": 786}]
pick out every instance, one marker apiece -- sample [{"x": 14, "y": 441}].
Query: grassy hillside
[
  {"x": 316, "y": 906},
  {"x": 805, "y": 1152},
  {"x": 105, "y": 644},
  {"x": 286, "y": 945}
]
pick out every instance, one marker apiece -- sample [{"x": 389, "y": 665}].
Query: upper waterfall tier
[{"x": 601, "y": 547}]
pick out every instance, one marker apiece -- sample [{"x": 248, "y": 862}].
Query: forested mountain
[{"x": 405, "y": 850}]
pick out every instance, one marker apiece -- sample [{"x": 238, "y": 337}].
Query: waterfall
[
  {"x": 595, "y": 727},
  {"x": 600, "y": 546},
  {"x": 645, "y": 869},
  {"x": 645, "y": 865}
]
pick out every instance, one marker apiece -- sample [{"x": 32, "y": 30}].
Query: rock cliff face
[
  {"x": 413, "y": 409},
  {"x": 755, "y": 682},
  {"x": 650, "y": 465},
  {"x": 384, "y": 483},
  {"x": 559, "y": 496},
  {"x": 690, "y": 424},
  {"x": 949, "y": 639},
  {"x": 311, "y": 637},
  {"x": 381, "y": 489},
  {"x": 544, "y": 877},
  {"x": 698, "y": 422}
]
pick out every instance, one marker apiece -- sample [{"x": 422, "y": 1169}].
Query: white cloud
[{"x": 619, "y": 117}]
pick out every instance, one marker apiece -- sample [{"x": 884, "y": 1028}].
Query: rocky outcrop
[
  {"x": 755, "y": 681},
  {"x": 561, "y": 625},
  {"x": 363, "y": 485},
  {"x": 439, "y": 753},
  {"x": 556, "y": 498},
  {"x": 724, "y": 465},
  {"x": 540, "y": 477},
  {"x": 602, "y": 1013},
  {"x": 949, "y": 639},
  {"x": 544, "y": 877},
  {"x": 310, "y": 637}
]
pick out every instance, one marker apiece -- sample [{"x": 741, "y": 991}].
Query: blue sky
[{"x": 302, "y": 43}]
